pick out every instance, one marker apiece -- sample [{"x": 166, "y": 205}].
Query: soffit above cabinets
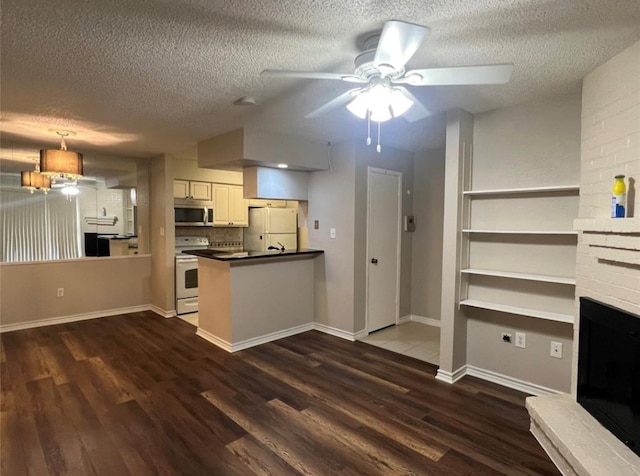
[{"x": 251, "y": 147}]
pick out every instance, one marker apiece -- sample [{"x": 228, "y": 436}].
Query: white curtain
[{"x": 38, "y": 227}]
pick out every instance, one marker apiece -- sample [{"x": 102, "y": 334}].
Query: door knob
[{"x": 374, "y": 260}]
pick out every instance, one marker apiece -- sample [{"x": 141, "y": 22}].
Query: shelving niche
[{"x": 519, "y": 250}]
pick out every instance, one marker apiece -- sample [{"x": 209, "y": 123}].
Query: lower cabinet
[{"x": 230, "y": 208}]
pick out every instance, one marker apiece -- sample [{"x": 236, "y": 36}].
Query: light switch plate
[{"x": 332, "y": 233}]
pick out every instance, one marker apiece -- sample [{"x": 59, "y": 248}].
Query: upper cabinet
[
  {"x": 191, "y": 189},
  {"x": 229, "y": 206}
]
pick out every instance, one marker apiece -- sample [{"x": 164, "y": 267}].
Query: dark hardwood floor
[{"x": 137, "y": 394}]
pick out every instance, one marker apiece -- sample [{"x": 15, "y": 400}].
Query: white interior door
[{"x": 383, "y": 248}]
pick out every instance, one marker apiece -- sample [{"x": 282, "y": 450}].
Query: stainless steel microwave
[{"x": 193, "y": 215}]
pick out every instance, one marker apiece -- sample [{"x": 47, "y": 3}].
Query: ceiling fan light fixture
[
  {"x": 399, "y": 103},
  {"x": 61, "y": 162},
  {"x": 70, "y": 189},
  {"x": 382, "y": 101},
  {"x": 359, "y": 107}
]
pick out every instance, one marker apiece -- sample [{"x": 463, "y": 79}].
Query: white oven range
[{"x": 187, "y": 273}]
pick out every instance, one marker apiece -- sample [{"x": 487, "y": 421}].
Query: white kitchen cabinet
[
  {"x": 519, "y": 251},
  {"x": 191, "y": 189},
  {"x": 230, "y": 208},
  {"x": 261, "y": 203}
]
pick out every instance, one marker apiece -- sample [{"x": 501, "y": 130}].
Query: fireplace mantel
[{"x": 611, "y": 239}]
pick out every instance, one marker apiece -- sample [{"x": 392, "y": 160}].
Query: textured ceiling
[{"x": 147, "y": 77}]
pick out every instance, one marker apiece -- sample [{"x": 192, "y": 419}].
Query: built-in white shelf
[
  {"x": 515, "y": 191},
  {"x": 522, "y": 232},
  {"x": 525, "y": 276},
  {"x": 521, "y": 311}
]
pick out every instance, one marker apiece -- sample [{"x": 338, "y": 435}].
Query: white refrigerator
[{"x": 271, "y": 227}]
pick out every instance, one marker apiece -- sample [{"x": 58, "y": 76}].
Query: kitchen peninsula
[{"x": 252, "y": 297}]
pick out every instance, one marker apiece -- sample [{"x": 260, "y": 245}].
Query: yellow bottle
[{"x": 619, "y": 198}]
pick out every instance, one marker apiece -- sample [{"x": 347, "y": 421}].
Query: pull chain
[
  {"x": 378, "y": 148},
  {"x": 368, "y": 127}
]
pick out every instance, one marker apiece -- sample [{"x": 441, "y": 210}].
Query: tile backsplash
[{"x": 215, "y": 235}]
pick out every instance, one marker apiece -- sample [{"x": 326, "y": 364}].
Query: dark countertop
[
  {"x": 242, "y": 255},
  {"x": 116, "y": 237}
]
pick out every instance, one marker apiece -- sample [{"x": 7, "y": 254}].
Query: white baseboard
[
  {"x": 245, "y": 344},
  {"x": 423, "y": 320},
  {"x": 511, "y": 382},
  {"x": 223, "y": 344},
  {"x": 51, "y": 321},
  {"x": 404, "y": 319},
  {"x": 360, "y": 334},
  {"x": 254, "y": 341},
  {"x": 162, "y": 312},
  {"x": 451, "y": 377},
  {"x": 495, "y": 377},
  {"x": 334, "y": 331}
]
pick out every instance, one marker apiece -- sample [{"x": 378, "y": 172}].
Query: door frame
[{"x": 397, "y": 174}]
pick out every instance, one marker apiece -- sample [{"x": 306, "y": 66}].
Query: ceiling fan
[{"x": 380, "y": 72}]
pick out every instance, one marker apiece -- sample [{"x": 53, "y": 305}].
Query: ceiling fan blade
[
  {"x": 459, "y": 75},
  {"x": 398, "y": 43},
  {"x": 417, "y": 111},
  {"x": 334, "y": 103},
  {"x": 312, "y": 75}
]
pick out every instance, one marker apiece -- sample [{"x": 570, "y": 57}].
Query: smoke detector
[{"x": 245, "y": 101}]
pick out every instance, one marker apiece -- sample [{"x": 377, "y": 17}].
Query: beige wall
[
  {"x": 527, "y": 145},
  {"x": 428, "y": 208},
  {"x": 533, "y": 364},
  {"x": 28, "y": 291},
  {"x": 187, "y": 169},
  {"x": 610, "y": 146},
  {"x": 453, "y": 328},
  {"x": 338, "y": 199},
  {"x": 269, "y": 296},
  {"x": 390, "y": 159},
  {"x": 162, "y": 237},
  {"x": 332, "y": 203}
]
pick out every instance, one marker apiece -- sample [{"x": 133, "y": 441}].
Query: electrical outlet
[
  {"x": 556, "y": 350},
  {"x": 506, "y": 337},
  {"x": 521, "y": 340},
  {"x": 316, "y": 224},
  {"x": 332, "y": 233},
  {"x": 60, "y": 292}
]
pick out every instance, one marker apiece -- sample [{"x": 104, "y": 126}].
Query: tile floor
[
  {"x": 414, "y": 339},
  {"x": 191, "y": 318}
]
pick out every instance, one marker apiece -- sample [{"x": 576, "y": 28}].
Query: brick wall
[{"x": 608, "y": 260}]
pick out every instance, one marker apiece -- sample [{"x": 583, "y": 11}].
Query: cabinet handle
[{"x": 374, "y": 260}]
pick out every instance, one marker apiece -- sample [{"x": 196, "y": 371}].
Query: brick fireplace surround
[{"x": 608, "y": 260}]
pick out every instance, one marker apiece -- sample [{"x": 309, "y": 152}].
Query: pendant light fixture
[
  {"x": 33, "y": 181},
  {"x": 61, "y": 162}
]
